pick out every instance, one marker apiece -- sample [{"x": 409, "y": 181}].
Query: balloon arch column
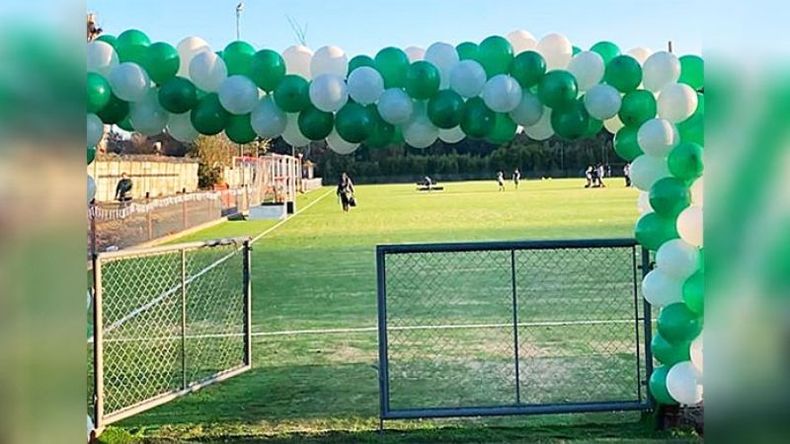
[{"x": 652, "y": 101}]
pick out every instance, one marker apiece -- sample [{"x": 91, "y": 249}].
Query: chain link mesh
[{"x": 450, "y": 327}]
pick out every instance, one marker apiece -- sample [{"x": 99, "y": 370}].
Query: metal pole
[
  {"x": 515, "y": 324},
  {"x": 381, "y": 284},
  {"x": 647, "y": 315},
  {"x": 636, "y": 326},
  {"x": 183, "y": 318},
  {"x": 247, "y": 304},
  {"x": 98, "y": 346}
]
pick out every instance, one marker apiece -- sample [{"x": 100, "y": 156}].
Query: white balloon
[
  {"x": 267, "y": 120},
  {"x": 452, "y": 135},
  {"x": 328, "y": 92},
  {"x": 678, "y": 258},
  {"x": 95, "y": 129},
  {"x": 129, "y": 82},
  {"x": 179, "y": 126},
  {"x": 338, "y": 145},
  {"x": 659, "y": 70},
  {"x": 557, "y": 50},
  {"x": 528, "y": 111},
  {"x": 444, "y": 56},
  {"x": 468, "y": 78},
  {"x": 698, "y": 193},
  {"x": 683, "y": 385},
  {"x": 101, "y": 57},
  {"x": 188, "y": 48},
  {"x": 542, "y": 129},
  {"x": 91, "y": 188},
  {"x": 329, "y": 60},
  {"x": 677, "y": 102},
  {"x": 690, "y": 225},
  {"x": 147, "y": 116},
  {"x": 297, "y": 60},
  {"x": 657, "y": 137},
  {"x": 661, "y": 289},
  {"x": 395, "y": 106},
  {"x": 640, "y": 54},
  {"x": 238, "y": 94},
  {"x": 614, "y": 124},
  {"x": 502, "y": 93},
  {"x": 643, "y": 203},
  {"x": 647, "y": 170},
  {"x": 603, "y": 102},
  {"x": 292, "y": 135},
  {"x": 522, "y": 41},
  {"x": 419, "y": 132},
  {"x": 697, "y": 355},
  {"x": 365, "y": 85},
  {"x": 207, "y": 70},
  {"x": 415, "y": 53},
  {"x": 588, "y": 68}
]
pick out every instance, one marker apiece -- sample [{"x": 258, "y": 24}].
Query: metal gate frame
[
  {"x": 100, "y": 417},
  {"x": 646, "y": 401}
]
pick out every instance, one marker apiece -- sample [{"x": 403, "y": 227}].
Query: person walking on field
[
  {"x": 627, "y": 174},
  {"x": 516, "y": 177},
  {"x": 345, "y": 191},
  {"x": 500, "y": 178},
  {"x": 123, "y": 189}
]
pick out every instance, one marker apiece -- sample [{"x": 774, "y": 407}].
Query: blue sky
[{"x": 365, "y": 26}]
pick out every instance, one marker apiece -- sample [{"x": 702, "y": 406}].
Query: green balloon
[
  {"x": 315, "y": 124},
  {"x": 504, "y": 129},
  {"x": 131, "y": 46},
  {"x": 694, "y": 292},
  {"x": 693, "y": 128},
  {"x": 208, "y": 116},
  {"x": 360, "y": 61},
  {"x": 626, "y": 144},
  {"x": 161, "y": 62},
  {"x": 685, "y": 161},
  {"x": 594, "y": 127},
  {"x": 477, "y": 120},
  {"x": 557, "y": 88},
  {"x": 91, "y": 154},
  {"x": 178, "y": 95},
  {"x": 692, "y": 71},
  {"x": 658, "y": 386},
  {"x": 528, "y": 68},
  {"x": 678, "y": 324},
  {"x": 239, "y": 129},
  {"x": 126, "y": 124},
  {"x": 292, "y": 95},
  {"x": 98, "y": 92},
  {"x": 392, "y": 63},
  {"x": 607, "y": 50},
  {"x": 637, "y": 108},
  {"x": 467, "y": 51},
  {"x": 445, "y": 109},
  {"x": 382, "y": 133},
  {"x": 422, "y": 80},
  {"x": 669, "y": 196},
  {"x": 238, "y": 57},
  {"x": 571, "y": 121},
  {"x": 652, "y": 230},
  {"x": 668, "y": 353},
  {"x": 353, "y": 123},
  {"x": 109, "y": 39},
  {"x": 115, "y": 111},
  {"x": 624, "y": 73},
  {"x": 495, "y": 54},
  {"x": 267, "y": 69},
  {"x": 575, "y": 50}
]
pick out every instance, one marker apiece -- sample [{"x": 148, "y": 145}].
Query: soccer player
[{"x": 516, "y": 177}]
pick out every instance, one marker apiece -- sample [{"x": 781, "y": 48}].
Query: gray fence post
[
  {"x": 381, "y": 278},
  {"x": 647, "y": 316},
  {"x": 247, "y": 285},
  {"x": 98, "y": 346},
  {"x": 515, "y": 325},
  {"x": 184, "y": 382}
]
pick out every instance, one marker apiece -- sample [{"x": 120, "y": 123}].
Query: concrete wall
[{"x": 159, "y": 176}]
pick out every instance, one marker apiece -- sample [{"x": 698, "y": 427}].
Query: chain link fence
[
  {"x": 511, "y": 328},
  {"x": 166, "y": 321}
]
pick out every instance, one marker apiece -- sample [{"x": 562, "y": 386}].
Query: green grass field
[{"x": 317, "y": 272}]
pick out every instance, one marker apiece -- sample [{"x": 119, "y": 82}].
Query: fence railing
[
  {"x": 501, "y": 328},
  {"x": 166, "y": 321}
]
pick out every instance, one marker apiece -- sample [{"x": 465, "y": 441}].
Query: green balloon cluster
[
  {"x": 652, "y": 230},
  {"x": 557, "y": 89},
  {"x": 445, "y": 109},
  {"x": 624, "y": 73},
  {"x": 528, "y": 68}
]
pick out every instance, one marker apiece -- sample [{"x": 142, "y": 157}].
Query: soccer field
[{"x": 314, "y": 314}]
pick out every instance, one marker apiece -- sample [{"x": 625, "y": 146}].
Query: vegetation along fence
[{"x": 503, "y": 328}]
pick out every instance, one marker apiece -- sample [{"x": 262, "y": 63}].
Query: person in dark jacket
[
  {"x": 345, "y": 190},
  {"x": 123, "y": 189}
]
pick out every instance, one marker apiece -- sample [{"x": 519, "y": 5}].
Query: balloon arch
[{"x": 652, "y": 101}]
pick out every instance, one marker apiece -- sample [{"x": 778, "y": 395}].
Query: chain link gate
[
  {"x": 503, "y": 328},
  {"x": 167, "y": 321}
]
